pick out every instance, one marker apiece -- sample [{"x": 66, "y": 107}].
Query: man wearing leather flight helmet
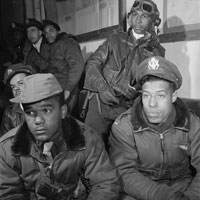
[{"x": 111, "y": 69}]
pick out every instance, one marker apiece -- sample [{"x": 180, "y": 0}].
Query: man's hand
[
  {"x": 108, "y": 98},
  {"x": 126, "y": 91}
]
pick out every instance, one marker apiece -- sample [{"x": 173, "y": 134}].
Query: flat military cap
[
  {"x": 33, "y": 22},
  {"x": 17, "y": 68},
  {"x": 38, "y": 87},
  {"x": 49, "y": 22},
  {"x": 159, "y": 67}
]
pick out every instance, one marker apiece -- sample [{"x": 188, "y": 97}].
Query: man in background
[
  {"x": 13, "y": 78},
  {"x": 16, "y": 43},
  {"x": 38, "y": 53},
  {"x": 65, "y": 60}
]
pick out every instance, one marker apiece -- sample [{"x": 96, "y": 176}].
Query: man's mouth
[{"x": 40, "y": 131}]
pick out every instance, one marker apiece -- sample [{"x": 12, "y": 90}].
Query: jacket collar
[
  {"x": 73, "y": 136},
  {"x": 64, "y": 35},
  {"x": 182, "y": 119}
]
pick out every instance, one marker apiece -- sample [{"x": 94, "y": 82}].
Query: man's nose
[
  {"x": 15, "y": 88},
  {"x": 153, "y": 102},
  {"x": 39, "y": 119},
  {"x": 46, "y": 34},
  {"x": 138, "y": 19}
]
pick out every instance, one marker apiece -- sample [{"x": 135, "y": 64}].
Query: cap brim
[
  {"x": 159, "y": 75},
  {"x": 20, "y": 99},
  {"x": 162, "y": 76}
]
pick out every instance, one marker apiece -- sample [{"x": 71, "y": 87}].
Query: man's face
[
  {"x": 16, "y": 83},
  {"x": 157, "y": 99},
  {"x": 140, "y": 21},
  {"x": 50, "y": 33},
  {"x": 33, "y": 34},
  {"x": 18, "y": 37},
  {"x": 44, "y": 119}
]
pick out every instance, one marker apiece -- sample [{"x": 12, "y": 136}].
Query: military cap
[
  {"x": 49, "y": 22},
  {"x": 14, "y": 26},
  {"x": 33, "y": 22},
  {"x": 38, "y": 87},
  {"x": 17, "y": 68},
  {"x": 159, "y": 67}
]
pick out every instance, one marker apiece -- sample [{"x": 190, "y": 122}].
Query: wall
[
  {"x": 10, "y": 11},
  {"x": 184, "y": 54}
]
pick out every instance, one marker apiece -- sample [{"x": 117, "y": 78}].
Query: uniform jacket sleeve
[
  {"x": 123, "y": 155},
  {"x": 194, "y": 134},
  {"x": 71, "y": 52},
  {"x": 11, "y": 186},
  {"x": 100, "y": 172},
  {"x": 94, "y": 68}
]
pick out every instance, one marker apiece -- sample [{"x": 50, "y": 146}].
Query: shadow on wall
[{"x": 177, "y": 52}]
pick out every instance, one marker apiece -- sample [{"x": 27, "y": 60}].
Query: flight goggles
[{"x": 144, "y": 6}]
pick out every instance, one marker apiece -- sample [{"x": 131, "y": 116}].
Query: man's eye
[
  {"x": 12, "y": 87},
  {"x": 47, "y": 111},
  {"x": 30, "y": 113},
  {"x": 145, "y": 16},
  {"x": 20, "y": 83},
  {"x": 162, "y": 96},
  {"x": 144, "y": 95},
  {"x": 134, "y": 13}
]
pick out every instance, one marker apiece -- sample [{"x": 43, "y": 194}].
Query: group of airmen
[{"x": 138, "y": 141}]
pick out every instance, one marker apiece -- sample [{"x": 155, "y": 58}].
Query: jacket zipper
[
  {"x": 162, "y": 142},
  {"x": 162, "y": 148}
]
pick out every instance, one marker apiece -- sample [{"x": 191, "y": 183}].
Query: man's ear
[
  {"x": 174, "y": 96},
  {"x": 63, "y": 111},
  {"x": 129, "y": 19}
]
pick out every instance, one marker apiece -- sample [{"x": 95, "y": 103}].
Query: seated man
[
  {"x": 36, "y": 49},
  {"x": 16, "y": 42},
  {"x": 45, "y": 156},
  {"x": 13, "y": 78},
  {"x": 155, "y": 145},
  {"x": 66, "y": 62}
]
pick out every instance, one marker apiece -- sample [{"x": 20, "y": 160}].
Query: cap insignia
[{"x": 153, "y": 64}]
